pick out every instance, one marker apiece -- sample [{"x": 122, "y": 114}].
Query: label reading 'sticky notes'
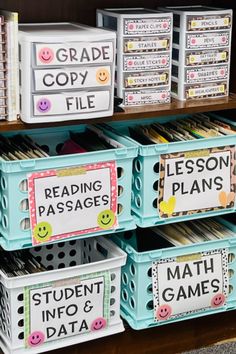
[
  {"x": 208, "y": 40},
  {"x": 149, "y": 61},
  {"x": 71, "y": 102},
  {"x": 74, "y": 53},
  {"x": 146, "y": 79},
  {"x": 72, "y": 78},
  {"x": 147, "y": 26}
]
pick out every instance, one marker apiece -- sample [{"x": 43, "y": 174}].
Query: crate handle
[
  {"x": 27, "y": 164},
  {"x": 232, "y": 241},
  {"x": 161, "y": 147},
  {"x": 128, "y": 249},
  {"x": 121, "y": 152},
  {"x": 155, "y": 255}
]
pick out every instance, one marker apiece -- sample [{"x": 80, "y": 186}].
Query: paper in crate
[
  {"x": 67, "y": 72},
  {"x": 185, "y": 285},
  {"x": 73, "y": 201}
]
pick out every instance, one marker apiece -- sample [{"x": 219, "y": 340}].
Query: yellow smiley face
[
  {"x": 43, "y": 231},
  {"x": 106, "y": 219},
  {"x": 102, "y": 76}
]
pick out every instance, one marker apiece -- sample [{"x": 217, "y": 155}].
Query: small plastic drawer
[
  {"x": 76, "y": 299},
  {"x": 21, "y": 189}
]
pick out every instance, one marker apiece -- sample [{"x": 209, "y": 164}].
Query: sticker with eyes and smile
[
  {"x": 43, "y": 231},
  {"x": 36, "y": 338},
  {"x": 43, "y": 105},
  {"x": 218, "y": 300},
  {"x": 164, "y": 312},
  {"x": 106, "y": 219},
  {"x": 99, "y": 323},
  {"x": 102, "y": 76},
  {"x": 46, "y": 55}
]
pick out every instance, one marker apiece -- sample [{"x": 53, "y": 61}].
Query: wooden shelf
[
  {"x": 169, "y": 339},
  {"x": 174, "y": 108}
]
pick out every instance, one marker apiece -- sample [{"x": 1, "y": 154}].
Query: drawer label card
[
  {"x": 214, "y": 90},
  {"x": 49, "y": 54},
  {"x": 197, "y": 181},
  {"x": 66, "y": 79},
  {"x": 208, "y": 40},
  {"x": 73, "y": 201},
  {"x": 206, "y": 74},
  {"x": 146, "y": 80},
  {"x": 147, "y": 26},
  {"x": 209, "y": 23},
  {"x": 146, "y": 62},
  {"x": 189, "y": 284},
  {"x": 147, "y": 44},
  {"x": 135, "y": 98},
  {"x": 72, "y": 102},
  {"x": 210, "y": 57},
  {"x": 64, "y": 308}
]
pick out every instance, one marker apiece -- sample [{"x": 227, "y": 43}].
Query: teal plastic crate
[
  {"x": 146, "y": 173},
  {"x": 15, "y": 226},
  {"x": 137, "y": 299}
]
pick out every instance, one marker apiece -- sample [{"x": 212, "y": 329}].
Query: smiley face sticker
[
  {"x": 103, "y": 76},
  {"x": 43, "y": 105},
  {"x": 45, "y": 55},
  {"x": 106, "y": 219},
  {"x": 43, "y": 232},
  {"x": 164, "y": 312},
  {"x": 36, "y": 338},
  {"x": 98, "y": 324},
  {"x": 218, "y": 300}
]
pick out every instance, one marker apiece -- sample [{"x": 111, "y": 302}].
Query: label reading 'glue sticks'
[
  {"x": 136, "y": 98},
  {"x": 207, "y": 57},
  {"x": 149, "y": 61},
  {"x": 146, "y": 44},
  {"x": 71, "y": 103},
  {"x": 68, "y": 78},
  {"x": 208, "y": 40},
  {"x": 48, "y": 54},
  {"x": 207, "y": 91},
  {"x": 147, "y": 26}
]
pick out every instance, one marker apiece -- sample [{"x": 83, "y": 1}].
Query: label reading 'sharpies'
[
  {"x": 207, "y": 40},
  {"x": 146, "y": 44},
  {"x": 74, "y": 201},
  {"x": 72, "y": 78},
  {"x": 146, "y": 79},
  {"x": 146, "y": 62},
  {"x": 72, "y": 102},
  {"x": 135, "y": 98},
  {"x": 201, "y": 23},
  {"x": 210, "y": 90},
  {"x": 147, "y": 25},
  {"x": 73, "y": 53},
  {"x": 206, "y": 74},
  {"x": 207, "y": 57}
]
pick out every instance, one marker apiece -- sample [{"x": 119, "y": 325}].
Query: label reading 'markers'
[
  {"x": 206, "y": 74},
  {"x": 149, "y": 61},
  {"x": 207, "y": 57},
  {"x": 138, "y": 98},
  {"x": 211, "y": 90},
  {"x": 146, "y": 79},
  {"x": 208, "y": 40},
  {"x": 208, "y": 22},
  {"x": 146, "y": 44},
  {"x": 147, "y": 25}
]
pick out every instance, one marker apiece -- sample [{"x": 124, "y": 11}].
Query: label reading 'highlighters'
[{"x": 204, "y": 91}]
